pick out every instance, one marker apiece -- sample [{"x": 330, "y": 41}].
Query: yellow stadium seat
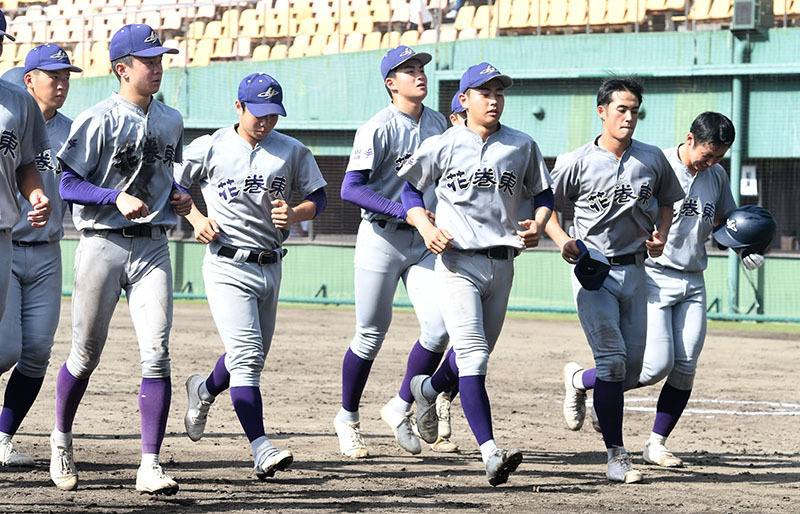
[
  {"x": 318, "y": 42},
  {"x": 372, "y": 41},
  {"x": 597, "y": 13},
  {"x": 99, "y": 51},
  {"x": 501, "y": 13},
  {"x": 60, "y": 35},
  {"x": 486, "y": 33},
  {"x": 354, "y": 42},
  {"x": 428, "y": 37},
  {"x": 347, "y": 26},
  {"x": 616, "y": 12},
  {"x": 481, "y": 19},
  {"x": 467, "y": 33},
  {"x": 21, "y": 30},
  {"x": 363, "y": 25},
  {"x": 82, "y": 55},
  {"x": 230, "y": 23},
  {"x": 655, "y": 5},
  {"x": 721, "y": 9},
  {"x": 251, "y": 28},
  {"x": 188, "y": 46},
  {"x": 540, "y": 9},
  {"x": 202, "y": 53},
  {"x": 196, "y": 30},
  {"x": 274, "y": 30},
  {"x": 448, "y": 34},
  {"x": 675, "y": 5},
  {"x": 22, "y": 51},
  {"x": 632, "y": 15},
  {"x": 576, "y": 12},
  {"x": 213, "y": 30},
  {"x": 410, "y": 37},
  {"x": 518, "y": 17},
  {"x": 279, "y": 51},
  {"x": 261, "y": 53},
  {"x": 382, "y": 13},
  {"x": 464, "y": 17},
  {"x": 390, "y": 39},
  {"x": 326, "y": 26},
  {"x": 152, "y": 18},
  {"x": 307, "y": 27},
  {"x": 173, "y": 20},
  {"x": 557, "y": 14},
  {"x": 299, "y": 45},
  {"x": 207, "y": 11},
  {"x": 401, "y": 13},
  {"x": 223, "y": 48}
]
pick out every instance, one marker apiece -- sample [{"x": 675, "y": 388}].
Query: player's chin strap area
[{"x": 261, "y": 258}]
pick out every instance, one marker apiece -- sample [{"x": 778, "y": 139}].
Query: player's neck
[
  {"x": 483, "y": 131},
  {"x": 410, "y": 107},
  {"x": 134, "y": 97},
  {"x": 47, "y": 112},
  {"x": 684, "y": 156},
  {"x": 614, "y": 145}
]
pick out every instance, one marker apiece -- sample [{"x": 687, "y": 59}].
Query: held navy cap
[
  {"x": 397, "y": 56},
  {"x": 49, "y": 57},
  {"x": 137, "y": 40},
  {"x": 262, "y": 95},
  {"x": 455, "y": 105},
  {"x": 3, "y": 27},
  {"x": 480, "y": 74},
  {"x": 592, "y": 267}
]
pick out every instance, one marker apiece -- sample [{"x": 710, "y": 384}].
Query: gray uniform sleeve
[
  {"x": 566, "y": 183},
  {"x": 668, "y": 189},
  {"x": 424, "y": 167},
  {"x": 537, "y": 178},
  {"x": 725, "y": 203},
  {"x": 84, "y": 145},
  {"x": 307, "y": 176},
  {"x": 193, "y": 164},
  {"x": 369, "y": 149},
  {"x": 35, "y": 139}
]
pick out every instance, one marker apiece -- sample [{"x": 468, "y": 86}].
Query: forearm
[
  {"x": 542, "y": 216},
  {"x": 73, "y": 188},
  {"x": 29, "y": 180},
  {"x": 554, "y": 230},
  {"x": 665, "y": 221},
  {"x": 195, "y": 217},
  {"x": 355, "y": 191}
]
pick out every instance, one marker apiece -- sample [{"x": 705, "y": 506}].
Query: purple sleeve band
[
  {"x": 355, "y": 191},
  {"x": 411, "y": 197},
  {"x": 319, "y": 199},
  {"x": 180, "y": 188},
  {"x": 544, "y": 199},
  {"x": 73, "y": 188}
]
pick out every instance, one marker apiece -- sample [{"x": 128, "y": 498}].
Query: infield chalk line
[{"x": 782, "y": 408}]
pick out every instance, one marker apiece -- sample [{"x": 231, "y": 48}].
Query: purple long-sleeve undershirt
[
  {"x": 355, "y": 191},
  {"x": 73, "y": 188},
  {"x": 319, "y": 199}
]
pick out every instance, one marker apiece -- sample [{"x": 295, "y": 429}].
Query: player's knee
[
  {"x": 681, "y": 380},
  {"x": 157, "y": 367},
  {"x": 436, "y": 344},
  {"x": 366, "y": 348},
  {"x": 473, "y": 362},
  {"x": 611, "y": 368}
]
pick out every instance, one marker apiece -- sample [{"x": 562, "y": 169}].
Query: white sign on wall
[{"x": 749, "y": 183}]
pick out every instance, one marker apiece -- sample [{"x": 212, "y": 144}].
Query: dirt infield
[{"x": 742, "y": 447}]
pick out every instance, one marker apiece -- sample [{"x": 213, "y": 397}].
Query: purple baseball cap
[
  {"x": 137, "y": 40},
  {"x": 480, "y": 74},
  {"x": 3, "y": 27},
  {"x": 455, "y": 105},
  {"x": 49, "y": 57},
  {"x": 262, "y": 95},
  {"x": 397, "y": 56}
]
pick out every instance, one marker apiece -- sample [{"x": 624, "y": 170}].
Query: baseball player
[
  {"x": 621, "y": 189},
  {"x": 482, "y": 172},
  {"x": 388, "y": 249},
  {"x": 247, "y": 173},
  {"x": 457, "y": 113},
  {"x": 117, "y": 171},
  {"x": 34, "y": 297}
]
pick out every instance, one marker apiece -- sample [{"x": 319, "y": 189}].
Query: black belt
[
  {"x": 143, "y": 230},
  {"x": 30, "y": 243},
  {"x": 623, "y": 260},
  {"x": 260, "y": 258},
  {"x": 499, "y": 252},
  {"x": 398, "y": 226}
]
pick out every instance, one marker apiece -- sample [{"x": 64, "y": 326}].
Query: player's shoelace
[
  {"x": 443, "y": 411},
  {"x": 202, "y": 411},
  {"x": 65, "y": 463},
  {"x": 624, "y": 461},
  {"x": 356, "y": 439}
]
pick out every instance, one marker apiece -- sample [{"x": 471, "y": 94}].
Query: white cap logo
[
  {"x": 407, "y": 51},
  {"x": 732, "y": 225},
  {"x": 269, "y": 93},
  {"x": 59, "y": 56},
  {"x": 152, "y": 38},
  {"x": 489, "y": 69}
]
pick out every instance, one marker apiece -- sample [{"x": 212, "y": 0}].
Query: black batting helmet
[{"x": 750, "y": 228}]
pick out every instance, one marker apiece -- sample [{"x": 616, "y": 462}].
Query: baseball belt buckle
[
  {"x": 266, "y": 257},
  {"x": 497, "y": 252},
  {"x": 127, "y": 234}
]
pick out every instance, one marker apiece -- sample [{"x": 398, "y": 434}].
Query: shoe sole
[
  {"x": 186, "y": 418},
  {"x": 68, "y": 485},
  {"x": 506, "y": 469},
  {"x": 281, "y": 465},
  {"x": 413, "y": 451},
  {"x": 678, "y": 463},
  {"x": 167, "y": 491}
]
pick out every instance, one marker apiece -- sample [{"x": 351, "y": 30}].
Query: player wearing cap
[
  {"x": 458, "y": 116},
  {"x": 248, "y": 173},
  {"x": 117, "y": 168},
  {"x": 481, "y": 171},
  {"x": 34, "y": 298},
  {"x": 622, "y": 191},
  {"x": 388, "y": 249}
]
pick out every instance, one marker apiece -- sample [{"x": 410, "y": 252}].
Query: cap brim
[
  {"x": 722, "y": 237},
  {"x": 56, "y": 67},
  {"x": 259, "y": 110},
  {"x": 6, "y": 34},
  {"x": 423, "y": 57},
  {"x": 154, "y": 51}
]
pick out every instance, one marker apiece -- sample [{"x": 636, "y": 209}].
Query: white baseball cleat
[
  {"x": 443, "y": 413},
  {"x": 62, "y": 467},
  {"x": 270, "y": 459},
  {"x": 595, "y": 421},
  {"x": 351, "y": 442},
  {"x": 401, "y": 426},
  {"x": 620, "y": 469},
  {"x": 153, "y": 480},
  {"x": 500, "y": 464},
  {"x": 11, "y": 457},
  {"x": 427, "y": 421},
  {"x": 197, "y": 412},
  {"x": 659, "y": 455},
  {"x": 574, "y": 398}
]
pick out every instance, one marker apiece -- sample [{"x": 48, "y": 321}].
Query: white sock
[
  {"x": 348, "y": 417},
  {"x": 428, "y": 391},
  {"x": 149, "y": 460},
  {"x": 615, "y": 450},
  {"x": 398, "y": 404},
  {"x": 5, "y": 438},
  {"x": 62, "y": 439},
  {"x": 577, "y": 381},
  {"x": 487, "y": 449},
  {"x": 258, "y": 442},
  {"x": 658, "y": 439},
  {"x": 204, "y": 394}
]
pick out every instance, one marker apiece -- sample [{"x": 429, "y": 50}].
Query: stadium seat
[
  {"x": 307, "y": 27},
  {"x": 632, "y": 15},
  {"x": 448, "y": 34},
  {"x": 616, "y": 12},
  {"x": 261, "y": 53},
  {"x": 467, "y": 33},
  {"x": 207, "y": 11},
  {"x": 481, "y": 19},
  {"x": 597, "y": 13},
  {"x": 347, "y": 26},
  {"x": 196, "y": 30},
  {"x": 539, "y": 11},
  {"x": 213, "y": 30},
  {"x": 82, "y": 55},
  {"x": 172, "y": 20},
  {"x": 409, "y": 37},
  {"x": 251, "y": 27},
  {"x": 382, "y": 14},
  {"x": 391, "y": 39},
  {"x": 354, "y": 42},
  {"x": 675, "y": 5},
  {"x": 655, "y": 5},
  {"x": 223, "y": 48},
  {"x": 274, "y": 30},
  {"x": 332, "y": 47},
  {"x": 279, "y": 51},
  {"x": 372, "y": 41},
  {"x": 60, "y": 34},
  {"x": 722, "y": 9},
  {"x": 518, "y": 17},
  {"x": 557, "y": 14},
  {"x": 576, "y": 13},
  {"x": 299, "y": 45},
  {"x": 22, "y": 30},
  {"x": 700, "y": 9},
  {"x": 364, "y": 25},
  {"x": 318, "y": 42},
  {"x": 464, "y": 17},
  {"x": 99, "y": 51},
  {"x": 230, "y": 23},
  {"x": 428, "y": 37}
]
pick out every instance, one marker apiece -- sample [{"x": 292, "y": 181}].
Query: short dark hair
[
  {"x": 392, "y": 74},
  {"x": 614, "y": 84},
  {"x": 127, "y": 60},
  {"x": 714, "y": 129}
]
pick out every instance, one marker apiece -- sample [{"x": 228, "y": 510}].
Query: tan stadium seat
[
  {"x": 60, "y": 35},
  {"x": 202, "y": 53},
  {"x": 372, "y": 41},
  {"x": 363, "y": 25},
  {"x": 481, "y": 19},
  {"x": 557, "y": 14},
  {"x": 213, "y": 30},
  {"x": 539, "y": 12},
  {"x": 274, "y": 30},
  {"x": 448, "y": 34},
  {"x": 318, "y": 43},
  {"x": 390, "y": 39},
  {"x": 467, "y": 33},
  {"x": 261, "y": 53},
  {"x": 410, "y": 37},
  {"x": 382, "y": 13},
  {"x": 299, "y": 45},
  {"x": 464, "y": 17},
  {"x": 21, "y": 30},
  {"x": 520, "y": 13},
  {"x": 332, "y": 47},
  {"x": 721, "y": 9},
  {"x": 631, "y": 14},
  {"x": 354, "y": 42},
  {"x": 347, "y": 26},
  {"x": 655, "y": 5},
  {"x": 99, "y": 51},
  {"x": 700, "y": 10},
  {"x": 597, "y": 12},
  {"x": 401, "y": 14},
  {"x": 616, "y": 13},
  {"x": 501, "y": 13},
  {"x": 196, "y": 30},
  {"x": 675, "y": 5},
  {"x": 173, "y": 20},
  {"x": 206, "y": 11},
  {"x": 307, "y": 27},
  {"x": 251, "y": 28},
  {"x": 428, "y": 37},
  {"x": 82, "y": 55},
  {"x": 326, "y": 26},
  {"x": 230, "y": 23},
  {"x": 279, "y": 51},
  {"x": 576, "y": 12},
  {"x": 223, "y": 48}
]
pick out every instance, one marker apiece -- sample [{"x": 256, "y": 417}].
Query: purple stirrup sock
[
  {"x": 446, "y": 377},
  {"x": 21, "y": 391},
  {"x": 589, "y": 378},
  {"x": 608, "y": 403},
  {"x": 69, "y": 392},
  {"x": 420, "y": 362},
  {"x": 247, "y": 404},
  {"x": 669, "y": 408},
  {"x": 355, "y": 372},
  {"x": 219, "y": 379},
  {"x": 475, "y": 403},
  {"x": 155, "y": 395}
]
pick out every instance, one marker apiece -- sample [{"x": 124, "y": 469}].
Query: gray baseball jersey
[
  {"x": 616, "y": 200},
  {"x": 57, "y": 129},
  {"x": 708, "y": 197},
  {"x": 479, "y": 186},
  {"x": 23, "y": 136},
  {"x": 116, "y": 145},
  {"x": 384, "y": 143},
  {"x": 239, "y": 182}
]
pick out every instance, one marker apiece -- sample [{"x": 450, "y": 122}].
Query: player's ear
[
  {"x": 28, "y": 79},
  {"x": 389, "y": 83},
  {"x": 462, "y": 98},
  {"x": 601, "y": 111},
  {"x": 239, "y": 107},
  {"x": 690, "y": 140}
]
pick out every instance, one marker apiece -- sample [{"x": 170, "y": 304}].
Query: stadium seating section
[{"x": 220, "y": 30}]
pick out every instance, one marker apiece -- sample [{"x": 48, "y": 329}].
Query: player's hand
[
  {"x": 206, "y": 231},
  {"x": 529, "y": 236},
  {"x": 753, "y": 261},
  {"x": 655, "y": 245},
  {"x": 282, "y": 214},
  {"x": 41, "y": 210},
  {"x": 436, "y": 239},
  {"x": 181, "y": 202},
  {"x": 131, "y": 207},
  {"x": 570, "y": 251}
]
